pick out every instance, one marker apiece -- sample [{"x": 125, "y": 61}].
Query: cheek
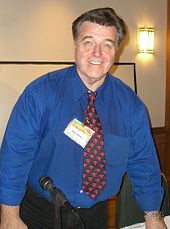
[
  {"x": 81, "y": 57},
  {"x": 110, "y": 58},
  {"x": 78, "y": 52}
]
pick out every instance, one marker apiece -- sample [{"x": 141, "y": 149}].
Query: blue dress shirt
[{"x": 35, "y": 145}]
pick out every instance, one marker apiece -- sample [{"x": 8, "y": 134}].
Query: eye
[
  {"x": 108, "y": 45},
  {"x": 88, "y": 43}
]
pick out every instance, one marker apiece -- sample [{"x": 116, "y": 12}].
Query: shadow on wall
[{"x": 123, "y": 45}]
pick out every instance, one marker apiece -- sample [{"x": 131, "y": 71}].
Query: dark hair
[{"x": 102, "y": 16}]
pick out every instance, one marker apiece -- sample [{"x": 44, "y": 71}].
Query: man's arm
[
  {"x": 143, "y": 165},
  {"x": 10, "y": 218},
  {"x": 155, "y": 222},
  {"x": 143, "y": 168}
]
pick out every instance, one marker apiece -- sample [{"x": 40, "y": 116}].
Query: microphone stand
[
  {"x": 59, "y": 200},
  {"x": 57, "y": 205}
]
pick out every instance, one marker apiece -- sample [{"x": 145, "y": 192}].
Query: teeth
[{"x": 95, "y": 62}]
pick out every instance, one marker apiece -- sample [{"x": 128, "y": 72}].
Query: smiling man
[{"x": 83, "y": 128}]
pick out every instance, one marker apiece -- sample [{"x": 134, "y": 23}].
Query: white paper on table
[{"x": 142, "y": 225}]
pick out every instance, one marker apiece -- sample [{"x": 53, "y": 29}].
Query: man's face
[{"x": 95, "y": 52}]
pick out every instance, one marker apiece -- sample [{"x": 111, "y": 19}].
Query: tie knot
[{"x": 91, "y": 95}]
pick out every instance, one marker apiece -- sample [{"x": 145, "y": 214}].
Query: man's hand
[
  {"x": 155, "y": 223},
  {"x": 10, "y": 218},
  {"x": 13, "y": 224}
]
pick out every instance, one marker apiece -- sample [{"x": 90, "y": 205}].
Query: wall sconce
[{"x": 146, "y": 40}]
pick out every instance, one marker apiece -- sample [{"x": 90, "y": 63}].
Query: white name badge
[{"x": 78, "y": 132}]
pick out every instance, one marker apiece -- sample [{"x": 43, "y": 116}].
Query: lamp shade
[{"x": 146, "y": 40}]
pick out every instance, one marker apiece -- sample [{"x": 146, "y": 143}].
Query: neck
[{"x": 93, "y": 85}]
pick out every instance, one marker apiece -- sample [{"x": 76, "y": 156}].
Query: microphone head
[{"x": 47, "y": 183}]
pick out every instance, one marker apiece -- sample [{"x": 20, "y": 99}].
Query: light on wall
[{"x": 146, "y": 40}]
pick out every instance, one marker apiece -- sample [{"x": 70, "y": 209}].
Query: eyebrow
[
  {"x": 86, "y": 37},
  {"x": 110, "y": 41}
]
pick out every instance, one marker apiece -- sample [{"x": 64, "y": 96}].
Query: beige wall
[{"x": 41, "y": 30}]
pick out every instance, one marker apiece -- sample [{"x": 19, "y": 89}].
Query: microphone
[{"x": 46, "y": 183}]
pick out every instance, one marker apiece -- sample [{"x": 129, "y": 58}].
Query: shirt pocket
[{"x": 116, "y": 150}]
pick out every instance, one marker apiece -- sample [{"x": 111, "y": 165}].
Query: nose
[{"x": 97, "y": 51}]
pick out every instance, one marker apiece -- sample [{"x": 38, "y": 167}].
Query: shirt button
[{"x": 81, "y": 191}]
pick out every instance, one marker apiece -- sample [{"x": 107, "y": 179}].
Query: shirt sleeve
[
  {"x": 143, "y": 165},
  {"x": 18, "y": 148}
]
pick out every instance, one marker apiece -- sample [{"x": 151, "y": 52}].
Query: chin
[
  {"x": 96, "y": 77},
  {"x": 97, "y": 74}
]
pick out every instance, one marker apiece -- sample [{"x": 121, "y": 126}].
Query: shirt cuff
[{"x": 11, "y": 197}]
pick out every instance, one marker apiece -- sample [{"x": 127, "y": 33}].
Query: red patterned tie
[{"x": 94, "y": 169}]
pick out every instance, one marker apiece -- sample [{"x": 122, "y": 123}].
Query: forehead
[{"x": 96, "y": 30}]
